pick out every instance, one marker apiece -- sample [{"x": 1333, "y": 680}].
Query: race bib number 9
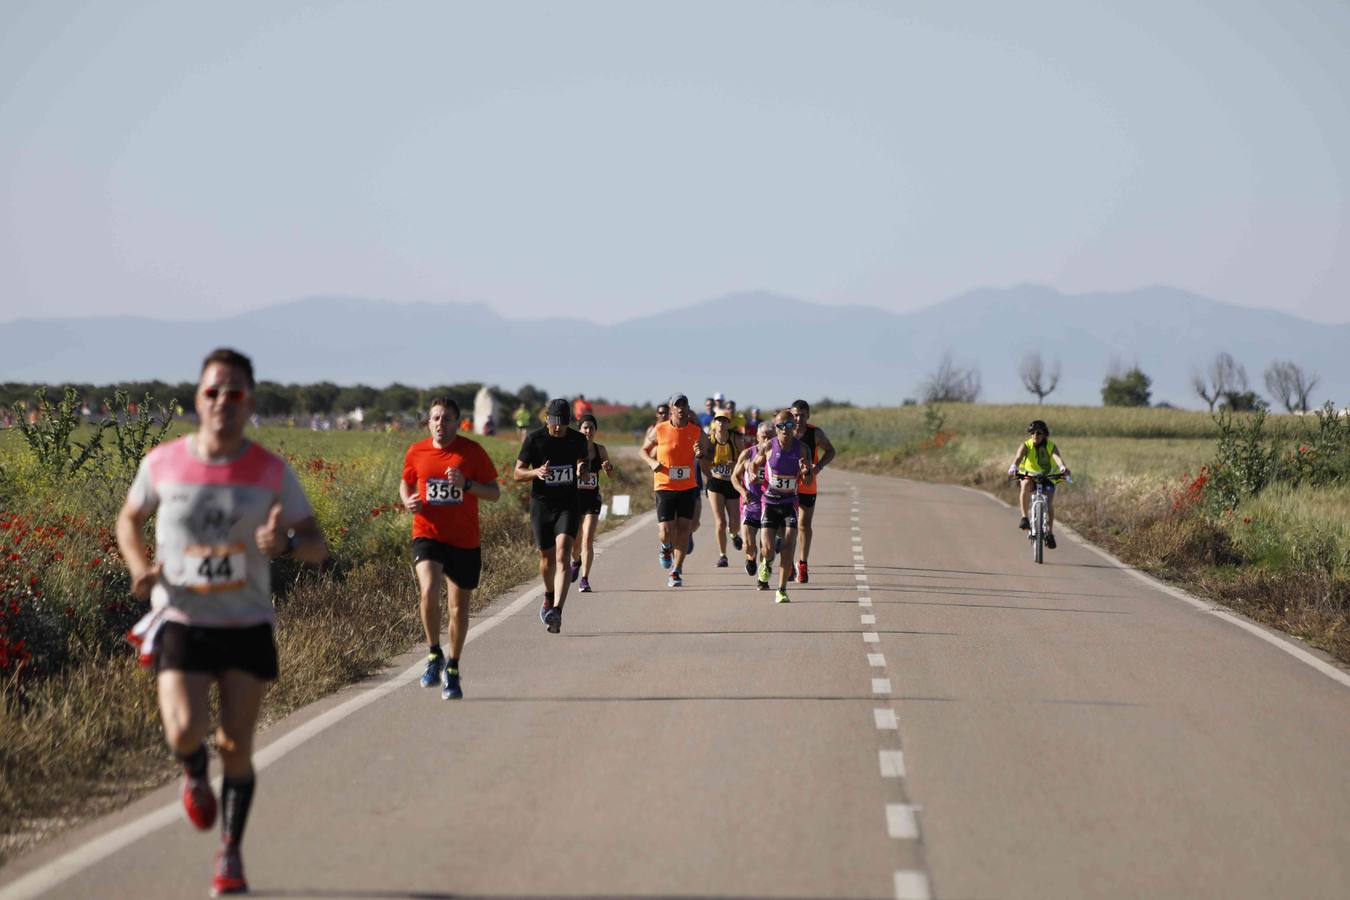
[
  {"x": 560, "y": 476},
  {"x": 590, "y": 483},
  {"x": 785, "y": 483},
  {"x": 211, "y": 569},
  {"x": 440, "y": 492},
  {"x": 722, "y": 471},
  {"x": 680, "y": 473}
]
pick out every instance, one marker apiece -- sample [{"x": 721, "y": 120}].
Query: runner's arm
[
  {"x": 649, "y": 451},
  {"x": 828, "y": 457},
  {"x": 705, "y": 455},
  {"x": 307, "y": 544},
  {"x": 738, "y": 474},
  {"x": 524, "y": 473},
  {"x": 131, "y": 544},
  {"x": 407, "y": 494},
  {"x": 486, "y": 490},
  {"x": 604, "y": 459}
]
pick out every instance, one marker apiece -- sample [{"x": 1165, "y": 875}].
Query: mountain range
[{"x": 758, "y": 347}]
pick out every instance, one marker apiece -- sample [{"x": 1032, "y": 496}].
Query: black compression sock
[
  {"x": 236, "y": 796},
  {"x": 194, "y": 763},
  {"x": 548, "y": 597},
  {"x": 435, "y": 650},
  {"x": 452, "y": 664}
]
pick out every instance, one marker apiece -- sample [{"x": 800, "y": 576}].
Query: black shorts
[
  {"x": 806, "y": 501},
  {"x": 724, "y": 487},
  {"x": 752, "y": 521},
  {"x": 589, "y": 502},
  {"x": 197, "y": 648},
  {"x": 672, "y": 505},
  {"x": 548, "y": 520},
  {"x": 779, "y": 515},
  {"x": 463, "y": 567}
]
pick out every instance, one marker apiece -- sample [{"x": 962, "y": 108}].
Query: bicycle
[{"x": 1040, "y": 499}]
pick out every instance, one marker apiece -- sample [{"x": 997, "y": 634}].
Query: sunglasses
[
  {"x": 229, "y": 395},
  {"x": 785, "y": 426}
]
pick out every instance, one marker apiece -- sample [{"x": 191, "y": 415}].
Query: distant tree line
[
  {"x": 275, "y": 399},
  {"x": 1222, "y": 385}
]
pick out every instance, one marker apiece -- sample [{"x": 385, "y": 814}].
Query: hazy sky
[{"x": 612, "y": 159}]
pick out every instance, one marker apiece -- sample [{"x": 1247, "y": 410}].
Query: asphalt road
[{"x": 932, "y": 715}]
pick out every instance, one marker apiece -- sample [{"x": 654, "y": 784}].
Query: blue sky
[{"x": 607, "y": 160}]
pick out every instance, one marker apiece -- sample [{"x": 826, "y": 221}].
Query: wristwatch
[
  {"x": 292, "y": 541},
  {"x": 467, "y": 484}
]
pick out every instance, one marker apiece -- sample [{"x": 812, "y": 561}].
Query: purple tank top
[{"x": 782, "y": 473}]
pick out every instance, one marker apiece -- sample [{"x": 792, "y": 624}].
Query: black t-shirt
[{"x": 561, "y": 453}]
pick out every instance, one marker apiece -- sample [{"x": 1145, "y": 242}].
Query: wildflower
[
  {"x": 375, "y": 512},
  {"x": 58, "y": 556},
  {"x": 1246, "y": 520}
]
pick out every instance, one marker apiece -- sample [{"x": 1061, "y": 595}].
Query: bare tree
[
  {"x": 1225, "y": 377},
  {"x": 1288, "y": 383},
  {"x": 1035, "y": 378},
  {"x": 950, "y": 383}
]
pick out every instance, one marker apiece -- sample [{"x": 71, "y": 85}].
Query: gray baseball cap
[
  {"x": 678, "y": 399},
  {"x": 559, "y": 413}
]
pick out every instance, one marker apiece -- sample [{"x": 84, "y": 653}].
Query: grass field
[{"x": 79, "y": 726}]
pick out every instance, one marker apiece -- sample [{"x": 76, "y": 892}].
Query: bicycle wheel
[{"x": 1038, "y": 525}]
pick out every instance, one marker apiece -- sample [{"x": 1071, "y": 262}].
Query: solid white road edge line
[
  {"x": 48, "y": 876},
  {"x": 1228, "y": 616}
]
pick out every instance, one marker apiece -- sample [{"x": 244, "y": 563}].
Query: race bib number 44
[
  {"x": 680, "y": 473},
  {"x": 208, "y": 569},
  {"x": 440, "y": 492}
]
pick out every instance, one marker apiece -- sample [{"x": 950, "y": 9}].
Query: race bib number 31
[
  {"x": 784, "y": 483},
  {"x": 440, "y": 492},
  {"x": 681, "y": 473},
  {"x": 207, "y": 570}
]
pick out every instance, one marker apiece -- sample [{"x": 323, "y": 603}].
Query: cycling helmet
[{"x": 1038, "y": 425}]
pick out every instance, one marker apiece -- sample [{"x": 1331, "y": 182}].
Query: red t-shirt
[{"x": 447, "y": 515}]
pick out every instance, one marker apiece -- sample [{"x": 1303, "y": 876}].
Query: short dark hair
[
  {"x": 447, "y": 402},
  {"x": 232, "y": 358},
  {"x": 588, "y": 418},
  {"x": 802, "y": 405}
]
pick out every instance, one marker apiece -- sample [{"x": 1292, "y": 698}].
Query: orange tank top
[{"x": 675, "y": 451}]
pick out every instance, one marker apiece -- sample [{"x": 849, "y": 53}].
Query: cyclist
[
  {"x": 752, "y": 495},
  {"x": 588, "y": 492},
  {"x": 444, "y": 477},
  {"x": 552, "y": 459},
  {"x": 672, "y": 450},
  {"x": 783, "y": 468},
  {"x": 225, "y": 507},
  {"x": 1038, "y": 455},
  {"x": 722, "y": 492},
  {"x": 819, "y": 454}
]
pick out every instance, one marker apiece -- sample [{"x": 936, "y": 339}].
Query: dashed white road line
[
  {"x": 901, "y": 821},
  {"x": 871, "y": 637},
  {"x": 868, "y": 619},
  {"x": 885, "y": 719},
  {"x": 864, "y": 601},
  {"x": 876, "y": 660},
  {"x": 892, "y": 763},
  {"x": 912, "y": 886},
  {"x": 881, "y": 686}
]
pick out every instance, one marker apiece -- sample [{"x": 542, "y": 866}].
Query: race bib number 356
[
  {"x": 440, "y": 492},
  {"x": 208, "y": 569}
]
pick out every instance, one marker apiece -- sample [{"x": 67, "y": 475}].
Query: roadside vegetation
[
  {"x": 1248, "y": 509},
  {"x": 79, "y": 725}
]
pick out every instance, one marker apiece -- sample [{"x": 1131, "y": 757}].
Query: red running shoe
[
  {"x": 229, "y": 877},
  {"x": 801, "y": 572},
  {"x": 200, "y": 802}
]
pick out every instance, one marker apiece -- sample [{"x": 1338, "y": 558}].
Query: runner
[
  {"x": 722, "y": 491},
  {"x": 552, "y": 459},
  {"x": 819, "y": 453},
  {"x": 783, "y": 468},
  {"x": 522, "y": 420},
  {"x": 752, "y": 494},
  {"x": 673, "y": 450},
  {"x": 709, "y": 412},
  {"x": 588, "y": 492},
  {"x": 444, "y": 477},
  {"x": 226, "y": 507}
]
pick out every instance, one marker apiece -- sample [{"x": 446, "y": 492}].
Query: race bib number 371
[{"x": 560, "y": 476}]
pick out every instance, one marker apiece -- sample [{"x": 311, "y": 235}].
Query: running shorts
[
  {"x": 806, "y": 501},
  {"x": 461, "y": 566},
  {"x": 780, "y": 515},
  {"x": 548, "y": 520},
  {"x": 589, "y": 502},
  {"x": 671, "y": 505},
  {"x": 724, "y": 487},
  {"x": 197, "y": 648}
]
